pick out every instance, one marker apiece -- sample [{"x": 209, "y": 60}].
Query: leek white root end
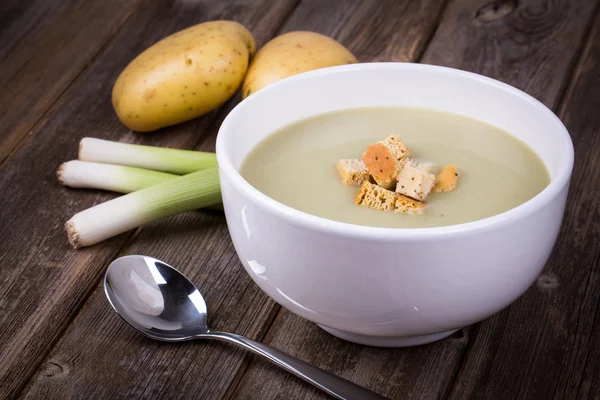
[{"x": 72, "y": 234}]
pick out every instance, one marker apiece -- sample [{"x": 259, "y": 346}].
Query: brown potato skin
[
  {"x": 290, "y": 54},
  {"x": 183, "y": 76}
]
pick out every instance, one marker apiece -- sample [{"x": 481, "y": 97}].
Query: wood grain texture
[
  {"x": 17, "y": 18},
  {"x": 391, "y": 30},
  {"x": 547, "y": 345},
  {"x": 530, "y": 44},
  {"x": 117, "y": 362},
  {"x": 50, "y": 44},
  {"x": 411, "y": 373},
  {"x": 44, "y": 282}
]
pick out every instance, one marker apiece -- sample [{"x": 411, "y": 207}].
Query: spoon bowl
[
  {"x": 136, "y": 287},
  {"x": 162, "y": 304}
]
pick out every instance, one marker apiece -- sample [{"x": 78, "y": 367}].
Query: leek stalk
[
  {"x": 174, "y": 161},
  {"x": 115, "y": 178},
  {"x": 196, "y": 190}
]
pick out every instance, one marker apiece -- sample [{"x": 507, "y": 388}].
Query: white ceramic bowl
[{"x": 382, "y": 286}]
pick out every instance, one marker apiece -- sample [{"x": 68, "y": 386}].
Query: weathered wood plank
[
  {"x": 17, "y": 17},
  {"x": 519, "y": 47},
  {"x": 391, "y": 30},
  {"x": 530, "y": 44},
  {"x": 412, "y": 373},
  {"x": 49, "y": 46},
  {"x": 117, "y": 362},
  {"x": 134, "y": 354},
  {"x": 43, "y": 282},
  {"x": 547, "y": 345}
]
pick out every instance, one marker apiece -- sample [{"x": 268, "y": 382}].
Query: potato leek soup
[{"x": 358, "y": 166}]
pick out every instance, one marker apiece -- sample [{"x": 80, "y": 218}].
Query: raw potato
[
  {"x": 291, "y": 54},
  {"x": 183, "y": 76}
]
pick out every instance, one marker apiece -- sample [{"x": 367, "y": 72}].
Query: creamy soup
[{"x": 296, "y": 166}]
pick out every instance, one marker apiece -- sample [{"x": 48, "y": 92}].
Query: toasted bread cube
[
  {"x": 406, "y": 205},
  {"x": 376, "y": 197},
  {"x": 383, "y": 160},
  {"x": 381, "y": 164},
  {"x": 447, "y": 179},
  {"x": 426, "y": 166},
  {"x": 352, "y": 171},
  {"x": 396, "y": 146},
  {"x": 414, "y": 183}
]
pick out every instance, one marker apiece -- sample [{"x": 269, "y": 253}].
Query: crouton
[
  {"x": 426, "y": 166},
  {"x": 353, "y": 172},
  {"x": 375, "y": 197},
  {"x": 406, "y": 205},
  {"x": 381, "y": 164},
  {"x": 396, "y": 146},
  {"x": 447, "y": 179},
  {"x": 382, "y": 160},
  {"x": 414, "y": 182}
]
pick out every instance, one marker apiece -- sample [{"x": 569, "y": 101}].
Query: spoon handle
[{"x": 334, "y": 385}]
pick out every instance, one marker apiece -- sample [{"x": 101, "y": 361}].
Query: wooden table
[{"x": 59, "y": 338}]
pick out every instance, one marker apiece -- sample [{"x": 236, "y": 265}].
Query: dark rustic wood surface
[
  {"x": 59, "y": 337},
  {"x": 50, "y": 44}
]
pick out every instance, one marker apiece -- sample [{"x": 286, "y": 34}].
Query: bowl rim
[{"x": 301, "y": 218}]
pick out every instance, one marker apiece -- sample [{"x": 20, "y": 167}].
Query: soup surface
[{"x": 297, "y": 165}]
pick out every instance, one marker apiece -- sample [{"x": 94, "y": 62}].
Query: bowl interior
[{"x": 396, "y": 84}]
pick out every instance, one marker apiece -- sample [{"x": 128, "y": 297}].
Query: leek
[
  {"x": 173, "y": 161},
  {"x": 185, "y": 193},
  {"x": 116, "y": 178}
]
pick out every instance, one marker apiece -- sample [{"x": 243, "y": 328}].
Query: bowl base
[{"x": 387, "y": 341}]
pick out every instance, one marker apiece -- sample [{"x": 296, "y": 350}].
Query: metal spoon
[{"x": 161, "y": 303}]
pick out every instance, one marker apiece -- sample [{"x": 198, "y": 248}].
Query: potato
[
  {"x": 183, "y": 76},
  {"x": 291, "y": 54}
]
